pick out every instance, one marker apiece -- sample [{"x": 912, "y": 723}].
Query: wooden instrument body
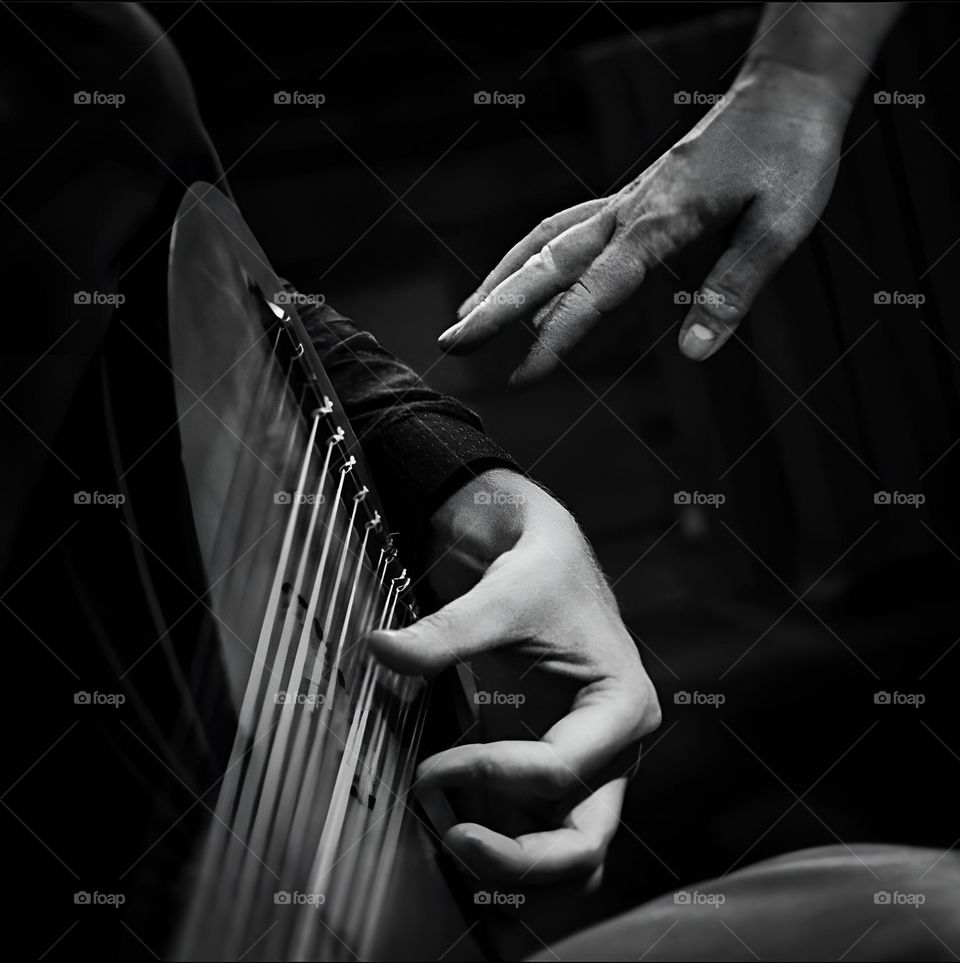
[{"x": 248, "y": 387}]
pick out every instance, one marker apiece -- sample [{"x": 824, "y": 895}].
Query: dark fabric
[{"x": 421, "y": 445}]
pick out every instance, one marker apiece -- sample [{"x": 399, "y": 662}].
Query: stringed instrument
[{"x": 314, "y": 838}]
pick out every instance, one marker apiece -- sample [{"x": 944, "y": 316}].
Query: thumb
[{"x": 481, "y": 619}]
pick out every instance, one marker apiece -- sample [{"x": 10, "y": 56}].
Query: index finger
[
  {"x": 595, "y": 742},
  {"x": 575, "y": 849},
  {"x": 552, "y": 269},
  {"x": 522, "y": 251}
]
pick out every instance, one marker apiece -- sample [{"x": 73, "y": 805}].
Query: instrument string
[
  {"x": 258, "y": 793},
  {"x": 388, "y": 849},
  {"x": 304, "y": 934},
  {"x": 332, "y": 710},
  {"x": 302, "y": 768},
  {"x": 210, "y": 882},
  {"x": 290, "y": 799},
  {"x": 246, "y": 584},
  {"x": 332, "y": 827},
  {"x": 312, "y": 804},
  {"x": 340, "y": 821},
  {"x": 290, "y": 708}
]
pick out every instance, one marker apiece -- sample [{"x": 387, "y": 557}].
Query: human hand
[
  {"x": 761, "y": 164},
  {"x": 565, "y": 698}
]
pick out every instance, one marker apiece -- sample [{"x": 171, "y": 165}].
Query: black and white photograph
[{"x": 480, "y": 480}]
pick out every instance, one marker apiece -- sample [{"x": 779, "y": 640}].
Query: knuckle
[
  {"x": 541, "y": 261},
  {"x": 781, "y": 237},
  {"x": 555, "y": 781},
  {"x": 486, "y": 768},
  {"x": 652, "y": 716},
  {"x": 545, "y": 258},
  {"x": 722, "y": 301},
  {"x": 548, "y": 227}
]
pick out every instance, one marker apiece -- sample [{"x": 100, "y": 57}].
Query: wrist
[
  {"x": 488, "y": 514},
  {"x": 831, "y": 44},
  {"x": 794, "y": 88}
]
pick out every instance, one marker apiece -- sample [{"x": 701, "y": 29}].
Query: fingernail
[
  {"x": 448, "y": 336},
  {"x": 698, "y": 341}
]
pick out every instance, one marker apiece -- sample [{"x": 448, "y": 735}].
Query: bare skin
[
  {"x": 568, "y": 699},
  {"x": 761, "y": 165}
]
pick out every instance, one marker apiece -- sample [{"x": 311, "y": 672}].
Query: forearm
[
  {"x": 422, "y": 445},
  {"x": 835, "y": 42}
]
